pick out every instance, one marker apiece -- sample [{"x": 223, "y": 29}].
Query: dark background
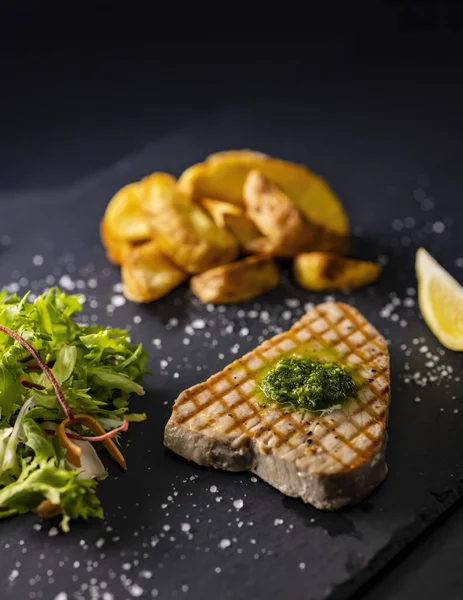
[{"x": 83, "y": 87}]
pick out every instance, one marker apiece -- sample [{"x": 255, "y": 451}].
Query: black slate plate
[{"x": 173, "y": 529}]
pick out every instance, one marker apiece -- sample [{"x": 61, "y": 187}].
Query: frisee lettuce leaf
[{"x": 98, "y": 370}]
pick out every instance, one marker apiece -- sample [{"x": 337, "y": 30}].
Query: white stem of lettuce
[{"x": 10, "y": 458}]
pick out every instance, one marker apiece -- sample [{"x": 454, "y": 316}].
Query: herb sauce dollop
[{"x": 307, "y": 385}]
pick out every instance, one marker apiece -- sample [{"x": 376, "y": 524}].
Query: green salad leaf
[{"x": 97, "y": 370}]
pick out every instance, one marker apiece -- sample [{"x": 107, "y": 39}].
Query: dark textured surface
[{"x": 377, "y": 166}]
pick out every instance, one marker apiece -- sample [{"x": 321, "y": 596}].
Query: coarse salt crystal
[
  {"x": 438, "y": 227},
  {"x": 198, "y": 324},
  {"x": 118, "y": 300}
]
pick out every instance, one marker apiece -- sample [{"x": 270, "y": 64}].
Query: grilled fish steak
[{"x": 329, "y": 460}]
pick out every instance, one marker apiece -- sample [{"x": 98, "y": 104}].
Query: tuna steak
[{"x": 329, "y": 460}]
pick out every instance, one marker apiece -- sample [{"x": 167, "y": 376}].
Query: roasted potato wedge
[
  {"x": 243, "y": 229},
  {"x": 232, "y": 217},
  {"x": 276, "y": 216},
  {"x": 147, "y": 274},
  {"x": 124, "y": 217},
  {"x": 116, "y": 248},
  {"x": 236, "y": 282},
  {"x": 184, "y": 232},
  {"x": 222, "y": 176},
  {"x": 218, "y": 210},
  {"x": 319, "y": 271}
]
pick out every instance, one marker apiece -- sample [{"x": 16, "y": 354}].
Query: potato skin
[
  {"x": 124, "y": 216},
  {"x": 236, "y": 282},
  {"x": 243, "y": 228},
  {"x": 276, "y": 216},
  {"x": 184, "y": 232},
  {"x": 148, "y": 275},
  {"x": 117, "y": 249},
  {"x": 218, "y": 210},
  {"x": 320, "y": 271}
]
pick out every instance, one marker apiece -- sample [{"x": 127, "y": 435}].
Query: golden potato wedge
[
  {"x": 276, "y": 216},
  {"x": 218, "y": 209},
  {"x": 319, "y": 271},
  {"x": 236, "y": 282},
  {"x": 232, "y": 217},
  {"x": 222, "y": 176},
  {"x": 147, "y": 274},
  {"x": 243, "y": 229},
  {"x": 117, "y": 249},
  {"x": 184, "y": 232},
  {"x": 124, "y": 216}
]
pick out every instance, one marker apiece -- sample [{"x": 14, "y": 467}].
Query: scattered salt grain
[
  {"x": 37, "y": 260},
  {"x": 224, "y": 544},
  {"x": 213, "y": 489},
  {"x": 302, "y": 566},
  {"x": 67, "y": 283},
  {"x": 135, "y": 590},
  {"x": 53, "y": 531},
  {"x": 292, "y": 302},
  {"x": 278, "y": 522},
  {"x": 118, "y": 300},
  {"x": 198, "y": 324},
  {"x": 184, "y": 588},
  {"x": 185, "y": 527},
  {"x": 438, "y": 227},
  {"x": 238, "y": 504},
  {"x": 13, "y": 575}
]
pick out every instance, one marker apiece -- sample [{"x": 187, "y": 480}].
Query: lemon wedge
[{"x": 441, "y": 300}]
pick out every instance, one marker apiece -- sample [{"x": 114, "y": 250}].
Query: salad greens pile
[{"x": 95, "y": 368}]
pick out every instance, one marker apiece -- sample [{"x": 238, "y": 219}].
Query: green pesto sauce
[{"x": 307, "y": 385}]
